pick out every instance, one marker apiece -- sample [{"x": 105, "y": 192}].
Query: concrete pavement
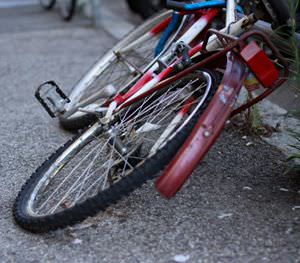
[
  {"x": 239, "y": 206},
  {"x": 17, "y": 3}
]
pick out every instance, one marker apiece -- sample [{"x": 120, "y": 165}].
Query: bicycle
[
  {"x": 164, "y": 118},
  {"x": 66, "y": 7}
]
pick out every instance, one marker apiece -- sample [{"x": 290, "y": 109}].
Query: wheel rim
[
  {"x": 119, "y": 70},
  {"x": 101, "y": 157}
]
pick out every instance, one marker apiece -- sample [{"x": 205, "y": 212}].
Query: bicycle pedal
[{"x": 52, "y": 98}]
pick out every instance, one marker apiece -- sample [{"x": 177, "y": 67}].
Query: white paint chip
[
  {"x": 181, "y": 258},
  {"x": 222, "y": 216},
  {"x": 283, "y": 190},
  {"x": 77, "y": 241}
]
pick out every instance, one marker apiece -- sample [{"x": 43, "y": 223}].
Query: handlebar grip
[
  {"x": 183, "y": 6},
  {"x": 176, "y": 5}
]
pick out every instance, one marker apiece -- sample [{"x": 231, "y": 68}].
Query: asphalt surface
[{"x": 239, "y": 205}]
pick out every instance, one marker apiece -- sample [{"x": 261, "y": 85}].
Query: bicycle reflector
[{"x": 260, "y": 64}]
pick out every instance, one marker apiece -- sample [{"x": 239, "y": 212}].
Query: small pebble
[
  {"x": 244, "y": 137},
  {"x": 283, "y": 190},
  {"x": 296, "y": 207},
  {"x": 222, "y": 216},
  {"x": 77, "y": 241},
  {"x": 247, "y": 188},
  {"x": 181, "y": 258},
  {"x": 82, "y": 226},
  {"x": 249, "y": 144}
]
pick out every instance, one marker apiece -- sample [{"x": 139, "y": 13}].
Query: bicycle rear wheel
[
  {"x": 112, "y": 72},
  {"x": 103, "y": 165},
  {"x": 47, "y": 4}
]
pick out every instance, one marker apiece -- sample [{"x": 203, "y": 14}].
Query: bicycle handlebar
[{"x": 182, "y": 6}]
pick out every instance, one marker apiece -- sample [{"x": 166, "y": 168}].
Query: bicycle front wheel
[{"x": 105, "y": 163}]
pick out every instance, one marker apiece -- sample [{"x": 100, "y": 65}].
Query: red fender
[{"x": 206, "y": 131}]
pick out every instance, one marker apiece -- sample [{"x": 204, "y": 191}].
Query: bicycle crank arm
[{"x": 206, "y": 131}]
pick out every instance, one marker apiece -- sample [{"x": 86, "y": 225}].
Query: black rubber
[
  {"x": 298, "y": 21},
  {"x": 49, "y": 6},
  {"x": 145, "y": 8},
  {"x": 71, "y": 11},
  {"x": 75, "y": 124},
  {"x": 281, "y": 9},
  {"x": 142, "y": 173}
]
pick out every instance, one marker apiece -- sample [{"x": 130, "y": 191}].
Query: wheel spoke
[
  {"x": 105, "y": 159},
  {"x": 119, "y": 72},
  {"x": 69, "y": 175}
]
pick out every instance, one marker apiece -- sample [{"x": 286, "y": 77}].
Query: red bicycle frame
[
  {"x": 219, "y": 111},
  {"x": 150, "y": 78}
]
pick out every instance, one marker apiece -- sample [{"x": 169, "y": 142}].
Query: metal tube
[{"x": 230, "y": 12}]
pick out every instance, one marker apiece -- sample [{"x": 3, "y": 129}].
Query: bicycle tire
[
  {"x": 81, "y": 120},
  {"x": 145, "y": 171},
  {"x": 47, "y": 4}
]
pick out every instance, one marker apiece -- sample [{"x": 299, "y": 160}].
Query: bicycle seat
[
  {"x": 274, "y": 11},
  {"x": 278, "y": 11}
]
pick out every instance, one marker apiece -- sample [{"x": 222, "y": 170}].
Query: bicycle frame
[
  {"x": 126, "y": 147},
  {"x": 221, "y": 108},
  {"x": 190, "y": 35},
  {"x": 150, "y": 79}
]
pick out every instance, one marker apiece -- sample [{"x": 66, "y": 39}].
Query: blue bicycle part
[
  {"x": 167, "y": 33},
  {"x": 179, "y": 6},
  {"x": 176, "y": 17}
]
